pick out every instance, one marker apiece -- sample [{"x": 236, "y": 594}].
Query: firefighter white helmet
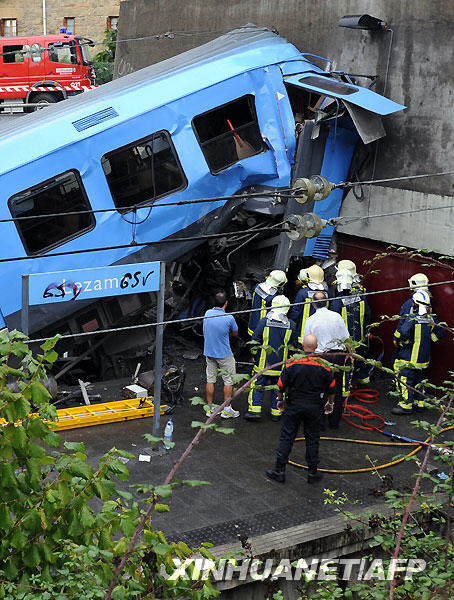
[
  {"x": 422, "y": 299},
  {"x": 344, "y": 279},
  {"x": 418, "y": 281},
  {"x": 303, "y": 275},
  {"x": 347, "y": 264},
  {"x": 277, "y": 279},
  {"x": 316, "y": 274},
  {"x": 280, "y": 304}
]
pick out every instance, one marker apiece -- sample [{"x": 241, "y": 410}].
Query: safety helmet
[
  {"x": 316, "y": 274},
  {"x": 277, "y": 279},
  {"x": 347, "y": 264},
  {"x": 344, "y": 279},
  {"x": 422, "y": 299},
  {"x": 303, "y": 275},
  {"x": 418, "y": 280},
  {"x": 281, "y": 303}
]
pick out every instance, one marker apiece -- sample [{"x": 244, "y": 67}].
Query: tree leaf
[
  {"x": 31, "y": 556},
  {"x": 161, "y": 508},
  {"x": 49, "y": 344},
  {"x": 225, "y": 430},
  {"x": 18, "y": 539},
  {"x": 5, "y": 518},
  {"x": 164, "y": 491},
  {"x": 127, "y": 526},
  {"x": 79, "y": 468},
  {"x": 195, "y": 482},
  {"x": 51, "y": 357},
  {"x": 197, "y": 400},
  {"x": 76, "y": 446},
  {"x": 39, "y": 393},
  {"x": 152, "y": 438},
  {"x": 19, "y": 438}
]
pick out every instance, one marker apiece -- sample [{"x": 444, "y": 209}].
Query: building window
[
  {"x": 70, "y": 24},
  {"x": 8, "y": 27},
  {"x": 229, "y": 133},
  {"x": 143, "y": 171},
  {"x": 61, "y": 194},
  {"x": 13, "y": 54},
  {"x": 112, "y": 22}
]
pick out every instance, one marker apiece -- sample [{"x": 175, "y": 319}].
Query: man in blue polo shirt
[{"x": 217, "y": 351}]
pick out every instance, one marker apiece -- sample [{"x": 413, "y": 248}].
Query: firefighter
[
  {"x": 418, "y": 281},
  {"x": 263, "y": 295},
  {"x": 275, "y": 333},
  {"x": 304, "y": 309},
  {"x": 354, "y": 309},
  {"x": 413, "y": 338},
  {"x": 349, "y": 265}
]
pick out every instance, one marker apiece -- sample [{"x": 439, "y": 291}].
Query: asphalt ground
[{"x": 240, "y": 499}]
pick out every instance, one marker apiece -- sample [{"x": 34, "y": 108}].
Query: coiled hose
[{"x": 367, "y": 418}]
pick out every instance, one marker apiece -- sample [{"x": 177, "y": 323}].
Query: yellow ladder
[{"x": 106, "y": 412}]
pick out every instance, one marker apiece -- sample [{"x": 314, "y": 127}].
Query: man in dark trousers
[{"x": 305, "y": 382}]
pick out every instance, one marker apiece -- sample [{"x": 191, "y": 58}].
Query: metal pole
[
  {"x": 25, "y": 301},
  {"x": 158, "y": 351},
  {"x": 45, "y": 18}
]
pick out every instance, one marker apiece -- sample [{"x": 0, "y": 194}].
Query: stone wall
[{"x": 90, "y": 16}]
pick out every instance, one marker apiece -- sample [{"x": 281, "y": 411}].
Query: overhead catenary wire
[
  {"x": 333, "y": 221},
  {"x": 281, "y": 192},
  {"x": 135, "y": 244},
  {"x": 237, "y": 312},
  {"x": 346, "y": 184},
  {"x": 155, "y": 36},
  {"x": 285, "y": 192},
  {"x": 344, "y": 220}
]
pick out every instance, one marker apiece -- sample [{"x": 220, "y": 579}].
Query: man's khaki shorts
[{"x": 226, "y": 365}]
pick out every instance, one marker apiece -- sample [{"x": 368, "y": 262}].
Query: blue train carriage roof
[{"x": 242, "y": 50}]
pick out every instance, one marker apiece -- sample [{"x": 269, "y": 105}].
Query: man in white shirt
[{"x": 331, "y": 332}]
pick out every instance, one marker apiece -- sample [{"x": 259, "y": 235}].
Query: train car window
[
  {"x": 13, "y": 54},
  {"x": 143, "y": 171},
  {"x": 229, "y": 133},
  {"x": 61, "y": 194}
]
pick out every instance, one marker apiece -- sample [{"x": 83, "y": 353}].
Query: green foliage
[
  {"x": 54, "y": 545},
  {"x": 104, "y": 60}
]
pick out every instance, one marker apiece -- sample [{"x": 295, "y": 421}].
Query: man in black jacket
[{"x": 305, "y": 382}]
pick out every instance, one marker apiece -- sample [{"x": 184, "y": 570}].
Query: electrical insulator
[
  {"x": 314, "y": 188},
  {"x": 309, "y": 225}
]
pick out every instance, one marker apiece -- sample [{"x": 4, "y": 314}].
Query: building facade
[{"x": 87, "y": 18}]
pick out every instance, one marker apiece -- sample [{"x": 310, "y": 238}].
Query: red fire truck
[{"x": 44, "y": 69}]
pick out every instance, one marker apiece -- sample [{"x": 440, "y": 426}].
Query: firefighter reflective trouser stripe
[
  {"x": 279, "y": 357},
  {"x": 362, "y": 308},
  {"x": 409, "y": 375},
  {"x": 262, "y": 358},
  {"x": 305, "y": 316},
  {"x": 262, "y": 314},
  {"x": 256, "y": 395},
  {"x": 416, "y": 344},
  {"x": 345, "y": 316}
]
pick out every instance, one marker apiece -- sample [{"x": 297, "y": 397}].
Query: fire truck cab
[{"x": 44, "y": 69}]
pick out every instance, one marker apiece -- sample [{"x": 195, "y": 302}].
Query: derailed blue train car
[{"x": 219, "y": 120}]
